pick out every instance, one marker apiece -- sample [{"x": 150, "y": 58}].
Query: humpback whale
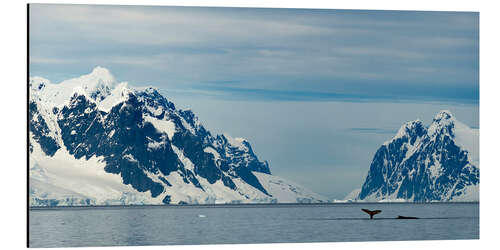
[
  {"x": 406, "y": 217},
  {"x": 371, "y": 213}
]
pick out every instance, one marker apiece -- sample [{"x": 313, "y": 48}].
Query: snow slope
[
  {"x": 286, "y": 191},
  {"x": 64, "y": 180}
]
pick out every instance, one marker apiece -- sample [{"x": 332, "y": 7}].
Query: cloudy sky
[{"x": 316, "y": 92}]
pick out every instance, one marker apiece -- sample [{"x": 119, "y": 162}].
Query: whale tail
[{"x": 370, "y": 212}]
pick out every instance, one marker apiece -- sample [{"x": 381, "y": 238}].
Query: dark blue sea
[{"x": 181, "y": 225}]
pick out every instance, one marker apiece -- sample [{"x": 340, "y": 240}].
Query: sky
[{"x": 316, "y": 92}]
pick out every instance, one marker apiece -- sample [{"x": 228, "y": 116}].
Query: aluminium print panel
[{"x": 156, "y": 125}]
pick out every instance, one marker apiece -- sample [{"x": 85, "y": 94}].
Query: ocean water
[{"x": 180, "y": 225}]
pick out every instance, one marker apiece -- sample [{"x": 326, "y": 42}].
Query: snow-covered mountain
[
  {"x": 435, "y": 163},
  {"x": 96, "y": 141}
]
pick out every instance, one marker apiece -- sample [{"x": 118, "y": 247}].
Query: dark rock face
[
  {"x": 135, "y": 149},
  {"x": 41, "y": 132},
  {"x": 421, "y": 165}
]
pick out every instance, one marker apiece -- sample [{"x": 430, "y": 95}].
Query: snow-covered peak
[
  {"x": 98, "y": 76},
  {"x": 426, "y": 164},
  {"x": 443, "y": 115},
  {"x": 97, "y": 85},
  {"x": 445, "y": 124},
  {"x": 410, "y": 129},
  {"x": 97, "y": 79},
  {"x": 442, "y": 124},
  {"x": 102, "y": 74}
]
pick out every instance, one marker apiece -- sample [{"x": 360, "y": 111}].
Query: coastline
[{"x": 36, "y": 208}]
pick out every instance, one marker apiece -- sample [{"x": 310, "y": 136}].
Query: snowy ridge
[
  {"x": 352, "y": 195},
  {"x": 406, "y": 130},
  {"x": 435, "y": 163},
  {"x": 286, "y": 191},
  {"x": 95, "y": 141},
  {"x": 117, "y": 95}
]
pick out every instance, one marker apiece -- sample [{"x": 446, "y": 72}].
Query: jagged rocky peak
[
  {"x": 438, "y": 163},
  {"x": 443, "y": 123},
  {"x": 411, "y": 129},
  {"x": 443, "y": 115},
  {"x": 151, "y": 97}
]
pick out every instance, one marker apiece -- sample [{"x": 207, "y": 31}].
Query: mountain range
[{"x": 96, "y": 141}]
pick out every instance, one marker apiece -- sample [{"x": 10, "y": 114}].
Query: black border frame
[{"x": 27, "y": 125}]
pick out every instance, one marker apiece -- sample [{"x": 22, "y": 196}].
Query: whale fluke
[
  {"x": 370, "y": 212},
  {"x": 406, "y": 217}
]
